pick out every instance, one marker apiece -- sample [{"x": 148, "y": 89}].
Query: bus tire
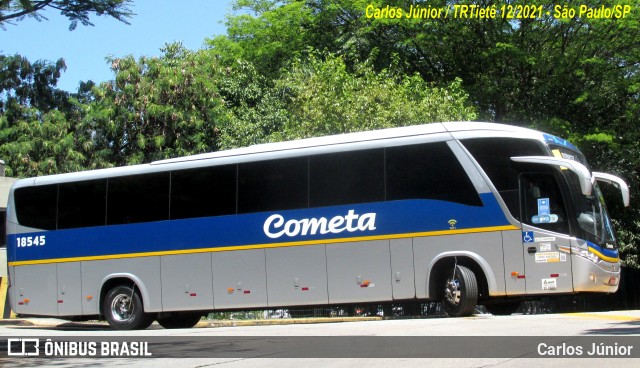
[
  {"x": 123, "y": 309},
  {"x": 180, "y": 320},
  {"x": 503, "y": 308},
  {"x": 460, "y": 292}
]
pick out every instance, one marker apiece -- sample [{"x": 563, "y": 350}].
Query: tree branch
[{"x": 37, "y": 6}]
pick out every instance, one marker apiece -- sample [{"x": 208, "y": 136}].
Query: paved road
[{"x": 389, "y": 343}]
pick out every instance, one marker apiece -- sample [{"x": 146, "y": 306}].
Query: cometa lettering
[{"x": 276, "y": 226}]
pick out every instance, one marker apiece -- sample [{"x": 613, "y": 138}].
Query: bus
[{"x": 460, "y": 212}]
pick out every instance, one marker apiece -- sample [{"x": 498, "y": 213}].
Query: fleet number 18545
[{"x": 28, "y": 241}]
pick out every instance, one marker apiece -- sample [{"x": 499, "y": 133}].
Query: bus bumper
[{"x": 600, "y": 277}]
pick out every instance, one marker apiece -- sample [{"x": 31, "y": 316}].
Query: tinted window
[
  {"x": 36, "y": 206},
  {"x": 82, "y": 204},
  {"x": 138, "y": 198},
  {"x": 542, "y": 202},
  {"x": 494, "y": 156},
  {"x": 273, "y": 185},
  {"x": 346, "y": 178},
  {"x": 202, "y": 192},
  {"x": 428, "y": 171}
]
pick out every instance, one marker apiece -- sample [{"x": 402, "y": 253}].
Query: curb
[{"x": 49, "y": 322}]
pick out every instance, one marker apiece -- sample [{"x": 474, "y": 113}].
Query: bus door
[{"x": 545, "y": 226}]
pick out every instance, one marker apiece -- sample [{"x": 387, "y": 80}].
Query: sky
[{"x": 85, "y": 49}]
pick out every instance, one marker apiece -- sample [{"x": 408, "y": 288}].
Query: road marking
[
  {"x": 602, "y": 316},
  {"x": 3, "y": 298}
]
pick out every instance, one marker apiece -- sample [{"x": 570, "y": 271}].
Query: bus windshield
[
  {"x": 593, "y": 218},
  {"x": 591, "y": 213}
]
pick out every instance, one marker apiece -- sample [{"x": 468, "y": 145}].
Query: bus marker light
[
  {"x": 193, "y": 294},
  {"x": 521, "y": 276},
  {"x": 230, "y": 290},
  {"x": 89, "y": 298},
  {"x": 554, "y": 275},
  {"x": 247, "y": 291},
  {"x": 305, "y": 289},
  {"x": 60, "y": 301},
  {"x": 515, "y": 273},
  {"x": 26, "y": 301}
]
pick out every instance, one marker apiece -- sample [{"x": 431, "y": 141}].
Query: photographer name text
[{"x": 502, "y": 11}]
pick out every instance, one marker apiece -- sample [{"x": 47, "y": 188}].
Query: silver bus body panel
[
  {"x": 514, "y": 271},
  {"x": 187, "y": 281},
  {"x": 35, "y": 290},
  {"x": 402, "y": 271},
  {"x": 359, "y": 272},
  {"x": 69, "y": 275},
  {"x": 297, "y": 275},
  {"x": 240, "y": 279}
]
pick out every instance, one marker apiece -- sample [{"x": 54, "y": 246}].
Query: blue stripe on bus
[
  {"x": 560, "y": 142},
  {"x": 393, "y": 217}
]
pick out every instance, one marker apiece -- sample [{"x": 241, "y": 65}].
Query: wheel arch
[
  {"x": 487, "y": 283},
  {"x": 127, "y": 279}
]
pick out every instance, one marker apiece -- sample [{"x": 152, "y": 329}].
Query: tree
[
  {"x": 31, "y": 84},
  {"x": 156, "y": 108},
  {"x": 316, "y": 95},
  {"x": 75, "y": 10}
]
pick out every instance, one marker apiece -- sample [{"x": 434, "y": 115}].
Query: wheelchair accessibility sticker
[{"x": 527, "y": 237}]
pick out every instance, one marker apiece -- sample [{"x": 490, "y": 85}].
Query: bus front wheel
[
  {"x": 460, "y": 292},
  {"x": 123, "y": 309}
]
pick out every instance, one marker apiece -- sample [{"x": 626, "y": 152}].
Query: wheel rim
[
  {"x": 122, "y": 308},
  {"x": 452, "y": 292}
]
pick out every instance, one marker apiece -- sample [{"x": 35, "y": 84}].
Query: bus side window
[
  {"x": 37, "y": 206},
  {"x": 346, "y": 178},
  {"x": 202, "y": 192},
  {"x": 273, "y": 185},
  {"x": 542, "y": 203},
  {"x": 494, "y": 156},
  {"x": 138, "y": 198},
  {"x": 82, "y": 204},
  {"x": 428, "y": 171}
]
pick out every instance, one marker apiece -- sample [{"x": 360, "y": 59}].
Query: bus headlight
[{"x": 585, "y": 253}]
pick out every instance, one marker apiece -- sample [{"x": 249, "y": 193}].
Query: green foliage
[
  {"x": 325, "y": 98},
  {"x": 75, "y": 10},
  {"x": 316, "y": 95},
  {"x": 39, "y": 144},
  {"x": 23, "y": 83},
  {"x": 155, "y": 108}
]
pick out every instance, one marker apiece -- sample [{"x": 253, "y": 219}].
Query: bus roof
[{"x": 340, "y": 142}]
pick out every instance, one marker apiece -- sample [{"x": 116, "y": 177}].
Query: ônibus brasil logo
[{"x": 275, "y": 226}]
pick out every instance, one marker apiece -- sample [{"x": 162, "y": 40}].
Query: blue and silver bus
[{"x": 466, "y": 213}]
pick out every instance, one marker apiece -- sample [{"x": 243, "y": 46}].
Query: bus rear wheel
[
  {"x": 460, "y": 292},
  {"x": 180, "y": 320},
  {"x": 124, "y": 310}
]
